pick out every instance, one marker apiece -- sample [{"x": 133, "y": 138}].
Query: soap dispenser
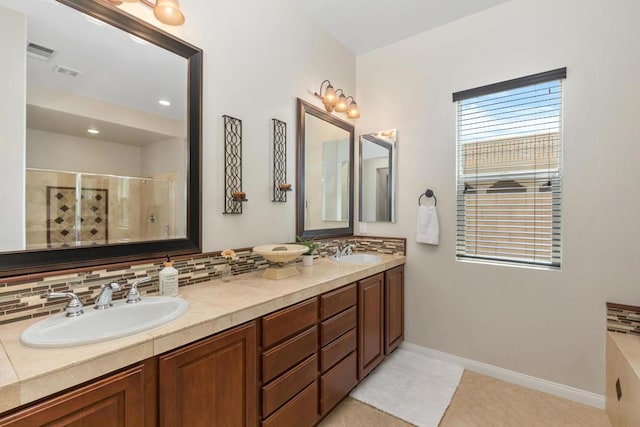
[{"x": 168, "y": 279}]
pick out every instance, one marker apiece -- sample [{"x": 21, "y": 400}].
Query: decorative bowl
[{"x": 280, "y": 254}]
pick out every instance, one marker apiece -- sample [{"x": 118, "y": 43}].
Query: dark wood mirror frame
[
  {"x": 306, "y": 108},
  {"x": 37, "y": 261}
]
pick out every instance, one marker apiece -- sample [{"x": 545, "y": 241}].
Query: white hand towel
[{"x": 428, "y": 229}]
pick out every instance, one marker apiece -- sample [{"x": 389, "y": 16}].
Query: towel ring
[{"x": 428, "y": 194}]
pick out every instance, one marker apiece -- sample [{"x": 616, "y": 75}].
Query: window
[{"x": 509, "y": 171}]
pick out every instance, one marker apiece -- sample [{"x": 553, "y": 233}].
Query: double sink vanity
[{"x": 246, "y": 352}]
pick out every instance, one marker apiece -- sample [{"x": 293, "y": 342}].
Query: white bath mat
[{"x": 411, "y": 386}]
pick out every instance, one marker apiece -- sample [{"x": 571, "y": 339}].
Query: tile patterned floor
[{"x": 482, "y": 401}]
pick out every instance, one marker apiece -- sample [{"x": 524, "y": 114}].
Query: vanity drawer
[
  {"x": 337, "y": 383},
  {"x": 334, "y": 352},
  {"x": 301, "y": 411},
  {"x": 286, "y": 386},
  {"x": 338, "y": 300},
  {"x": 288, "y": 321},
  {"x": 286, "y": 355},
  {"x": 337, "y": 325}
]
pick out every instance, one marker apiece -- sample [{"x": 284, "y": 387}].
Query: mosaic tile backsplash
[
  {"x": 25, "y": 298},
  {"x": 623, "y": 318}
]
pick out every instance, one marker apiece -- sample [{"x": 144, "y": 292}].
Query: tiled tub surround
[
  {"x": 28, "y": 374},
  {"x": 24, "y": 297},
  {"x": 623, "y": 318},
  {"x": 623, "y": 364}
]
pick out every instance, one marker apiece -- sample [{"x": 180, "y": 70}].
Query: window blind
[{"x": 509, "y": 171}]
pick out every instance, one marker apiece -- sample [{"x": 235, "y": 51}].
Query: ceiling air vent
[
  {"x": 66, "y": 71},
  {"x": 39, "y": 52}
]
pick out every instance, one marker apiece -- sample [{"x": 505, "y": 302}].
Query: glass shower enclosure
[{"x": 71, "y": 209}]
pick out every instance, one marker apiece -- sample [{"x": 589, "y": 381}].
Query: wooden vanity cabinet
[
  {"x": 338, "y": 341},
  {"x": 370, "y": 323},
  {"x": 212, "y": 382},
  {"x": 380, "y": 317},
  {"x": 289, "y": 366},
  {"x": 126, "y": 398},
  {"x": 393, "y": 308}
]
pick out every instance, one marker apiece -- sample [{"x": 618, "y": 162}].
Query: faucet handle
[
  {"x": 74, "y": 307},
  {"x": 338, "y": 249},
  {"x": 134, "y": 295},
  {"x": 115, "y": 286}
]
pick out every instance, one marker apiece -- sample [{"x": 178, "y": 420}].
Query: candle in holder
[
  {"x": 239, "y": 195},
  {"x": 285, "y": 187}
]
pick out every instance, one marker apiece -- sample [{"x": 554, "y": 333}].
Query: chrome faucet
[
  {"x": 347, "y": 250},
  {"x": 344, "y": 250},
  {"x": 74, "y": 307},
  {"x": 106, "y": 295},
  {"x": 134, "y": 295}
]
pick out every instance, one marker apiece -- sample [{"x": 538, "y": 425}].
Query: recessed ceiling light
[
  {"x": 93, "y": 131},
  {"x": 164, "y": 102}
]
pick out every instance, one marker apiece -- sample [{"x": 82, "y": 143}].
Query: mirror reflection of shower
[{"x": 71, "y": 209}]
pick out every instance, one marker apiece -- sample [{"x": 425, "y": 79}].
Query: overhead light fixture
[
  {"x": 93, "y": 131},
  {"x": 341, "y": 104},
  {"x": 164, "y": 102},
  {"x": 352, "y": 111},
  {"x": 336, "y": 100},
  {"x": 166, "y": 11}
]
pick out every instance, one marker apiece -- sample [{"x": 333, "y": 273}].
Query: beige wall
[
  {"x": 12, "y": 127},
  {"x": 549, "y": 324},
  {"x": 49, "y": 150}
]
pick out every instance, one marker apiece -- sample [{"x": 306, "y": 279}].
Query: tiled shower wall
[{"x": 25, "y": 297}]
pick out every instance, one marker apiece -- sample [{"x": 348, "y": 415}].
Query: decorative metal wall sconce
[
  {"x": 166, "y": 11},
  {"x": 233, "y": 194},
  {"x": 338, "y": 103},
  {"x": 280, "y": 185}
]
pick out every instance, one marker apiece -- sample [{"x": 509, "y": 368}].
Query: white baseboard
[{"x": 556, "y": 389}]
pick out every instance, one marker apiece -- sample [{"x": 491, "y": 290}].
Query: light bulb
[
  {"x": 353, "y": 113},
  {"x": 168, "y": 12},
  {"x": 341, "y": 105},
  {"x": 329, "y": 98}
]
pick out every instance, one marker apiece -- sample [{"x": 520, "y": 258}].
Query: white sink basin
[
  {"x": 101, "y": 325},
  {"x": 357, "y": 259}
]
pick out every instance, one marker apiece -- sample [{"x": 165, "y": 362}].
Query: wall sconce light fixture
[
  {"x": 166, "y": 11},
  {"x": 338, "y": 103}
]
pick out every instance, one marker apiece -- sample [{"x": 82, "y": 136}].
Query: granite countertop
[
  {"x": 629, "y": 345},
  {"x": 28, "y": 374}
]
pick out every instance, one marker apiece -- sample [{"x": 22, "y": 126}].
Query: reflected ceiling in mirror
[
  {"x": 325, "y": 174},
  {"x": 110, "y": 165},
  {"x": 378, "y": 173}
]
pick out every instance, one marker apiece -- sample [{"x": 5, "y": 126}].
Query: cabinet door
[
  {"x": 370, "y": 323},
  {"x": 393, "y": 308},
  {"x": 117, "y": 400},
  {"x": 212, "y": 382}
]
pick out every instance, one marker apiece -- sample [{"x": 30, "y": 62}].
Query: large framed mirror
[
  {"x": 101, "y": 133},
  {"x": 325, "y": 173},
  {"x": 378, "y": 172}
]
